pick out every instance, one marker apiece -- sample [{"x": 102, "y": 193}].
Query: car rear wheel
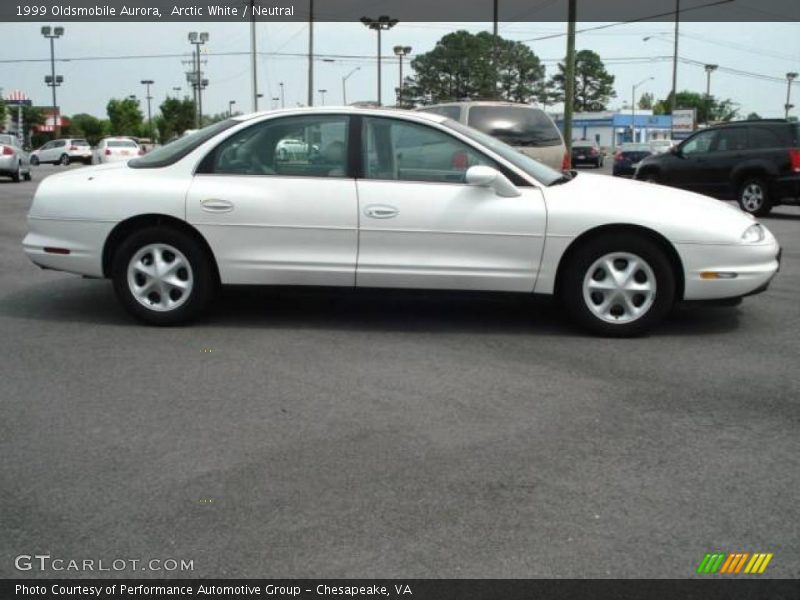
[
  {"x": 754, "y": 197},
  {"x": 163, "y": 276},
  {"x": 618, "y": 286},
  {"x": 35, "y": 161},
  {"x": 64, "y": 160},
  {"x": 16, "y": 177},
  {"x": 28, "y": 175}
]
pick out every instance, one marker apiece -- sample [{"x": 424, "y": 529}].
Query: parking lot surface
[{"x": 340, "y": 434}]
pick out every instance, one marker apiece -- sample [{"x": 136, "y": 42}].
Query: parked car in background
[
  {"x": 114, "y": 149},
  {"x": 660, "y": 146},
  {"x": 219, "y": 207},
  {"x": 627, "y": 158},
  {"x": 63, "y": 152},
  {"x": 530, "y": 130},
  {"x": 585, "y": 152},
  {"x": 14, "y": 161},
  {"x": 756, "y": 163}
]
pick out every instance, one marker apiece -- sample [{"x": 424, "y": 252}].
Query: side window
[
  {"x": 60, "y": 143},
  {"x": 313, "y": 146},
  {"x": 451, "y": 112},
  {"x": 731, "y": 139},
  {"x": 699, "y": 144},
  {"x": 48, "y": 145},
  {"x": 762, "y": 138},
  {"x": 403, "y": 151}
]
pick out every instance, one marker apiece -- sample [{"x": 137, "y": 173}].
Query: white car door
[
  {"x": 277, "y": 219},
  {"x": 46, "y": 152},
  {"x": 422, "y": 226}
]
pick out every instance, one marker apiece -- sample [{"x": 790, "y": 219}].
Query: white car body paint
[{"x": 316, "y": 231}]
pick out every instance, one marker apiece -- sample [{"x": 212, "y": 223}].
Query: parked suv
[
  {"x": 527, "y": 129},
  {"x": 756, "y": 163},
  {"x": 63, "y": 152}
]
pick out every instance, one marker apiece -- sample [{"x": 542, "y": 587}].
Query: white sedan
[
  {"x": 115, "y": 149},
  {"x": 394, "y": 200}
]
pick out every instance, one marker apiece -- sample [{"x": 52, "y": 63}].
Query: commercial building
[{"x": 612, "y": 128}]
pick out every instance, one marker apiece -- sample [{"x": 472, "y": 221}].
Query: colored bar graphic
[{"x": 734, "y": 563}]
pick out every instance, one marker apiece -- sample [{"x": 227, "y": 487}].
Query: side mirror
[{"x": 488, "y": 177}]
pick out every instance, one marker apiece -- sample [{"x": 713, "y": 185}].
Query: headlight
[{"x": 753, "y": 234}]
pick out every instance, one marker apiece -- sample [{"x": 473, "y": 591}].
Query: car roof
[
  {"x": 338, "y": 110},
  {"x": 483, "y": 103}
]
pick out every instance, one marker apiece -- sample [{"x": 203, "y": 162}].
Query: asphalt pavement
[{"x": 339, "y": 434}]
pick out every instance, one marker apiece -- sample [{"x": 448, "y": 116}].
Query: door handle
[
  {"x": 216, "y": 205},
  {"x": 381, "y": 211}
]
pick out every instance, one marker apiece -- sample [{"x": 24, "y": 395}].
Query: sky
[{"x": 741, "y": 49}]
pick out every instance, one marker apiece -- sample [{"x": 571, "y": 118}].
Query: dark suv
[{"x": 756, "y": 163}]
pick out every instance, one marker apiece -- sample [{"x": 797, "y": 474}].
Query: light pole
[
  {"x": 633, "y": 107},
  {"x": 147, "y": 83},
  {"x": 380, "y": 24},
  {"x": 322, "y": 96},
  {"x": 283, "y": 96},
  {"x": 52, "y": 34},
  {"x": 790, "y": 77},
  {"x": 709, "y": 70},
  {"x": 674, "y": 94},
  {"x": 400, "y": 52},
  {"x": 253, "y": 57},
  {"x": 230, "y": 107},
  {"x": 344, "y": 85},
  {"x": 275, "y": 101},
  {"x": 311, "y": 52},
  {"x": 177, "y": 90},
  {"x": 198, "y": 40}
]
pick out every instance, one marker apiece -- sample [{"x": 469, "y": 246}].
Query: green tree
[
  {"x": 88, "y": 126},
  {"x": 125, "y": 116},
  {"x": 708, "y": 109},
  {"x": 594, "y": 86},
  {"x": 461, "y": 66},
  {"x": 754, "y": 116},
  {"x": 176, "y": 117},
  {"x": 646, "y": 101},
  {"x": 3, "y": 114}
]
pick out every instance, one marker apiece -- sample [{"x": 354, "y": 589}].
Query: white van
[{"x": 524, "y": 127}]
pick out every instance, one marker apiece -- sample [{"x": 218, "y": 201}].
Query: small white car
[
  {"x": 63, "y": 152},
  {"x": 114, "y": 149},
  {"x": 220, "y": 207},
  {"x": 14, "y": 161}
]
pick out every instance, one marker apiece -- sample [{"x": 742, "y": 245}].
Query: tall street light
[
  {"x": 275, "y": 101},
  {"x": 147, "y": 83},
  {"x": 400, "y": 52},
  {"x": 633, "y": 107},
  {"x": 52, "y": 34},
  {"x": 322, "y": 96},
  {"x": 283, "y": 96},
  {"x": 790, "y": 77},
  {"x": 177, "y": 90},
  {"x": 709, "y": 70},
  {"x": 198, "y": 40},
  {"x": 230, "y": 107},
  {"x": 311, "y": 52},
  {"x": 380, "y": 24},
  {"x": 344, "y": 85}
]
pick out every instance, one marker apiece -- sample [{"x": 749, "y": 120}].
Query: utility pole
[
  {"x": 380, "y": 24},
  {"x": 400, "y": 52},
  {"x": 569, "y": 87},
  {"x": 52, "y": 34},
  {"x": 322, "y": 96},
  {"x": 310, "y": 53},
  {"x": 148, "y": 83},
  {"x": 344, "y": 85},
  {"x": 198, "y": 40},
  {"x": 253, "y": 56},
  {"x": 709, "y": 69},
  {"x": 790, "y": 77},
  {"x": 674, "y": 97},
  {"x": 494, "y": 48}
]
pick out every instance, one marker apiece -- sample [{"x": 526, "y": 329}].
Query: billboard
[{"x": 683, "y": 122}]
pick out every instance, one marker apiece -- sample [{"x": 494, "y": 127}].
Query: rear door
[
  {"x": 728, "y": 150},
  {"x": 422, "y": 226}
]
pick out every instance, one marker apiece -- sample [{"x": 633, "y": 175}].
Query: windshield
[
  {"x": 534, "y": 168},
  {"x": 174, "y": 151},
  {"x": 515, "y": 125},
  {"x": 121, "y": 144}
]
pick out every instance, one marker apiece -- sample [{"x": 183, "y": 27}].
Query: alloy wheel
[{"x": 752, "y": 197}]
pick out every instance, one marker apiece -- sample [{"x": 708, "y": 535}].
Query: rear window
[
  {"x": 6, "y": 139},
  {"x": 451, "y": 112},
  {"x": 121, "y": 144},
  {"x": 174, "y": 151},
  {"x": 80, "y": 143},
  {"x": 515, "y": 125}
]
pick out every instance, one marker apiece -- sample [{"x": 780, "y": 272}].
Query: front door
[
  {"x": 422, "y": 226},
  {"x": 276, "y": 203}
]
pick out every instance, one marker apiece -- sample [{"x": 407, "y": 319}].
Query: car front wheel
[
  {"x": 618, "y": 286},
  {"x": 163, "y": 276},
  {"x": 64, "y": 160},
  {"x": 754, "y": 197}
]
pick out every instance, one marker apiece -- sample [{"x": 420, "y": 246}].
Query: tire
[
  {"x": 28, "y": 175},
  {"x": 16, "y": 177},
  {"x": 753, "y": 197},
  {"x": 194, "y": 276},
  {"x": 35, "y": 161},
  {"x": 64, "y": 160},
  {"x": 649, "y": 285}
]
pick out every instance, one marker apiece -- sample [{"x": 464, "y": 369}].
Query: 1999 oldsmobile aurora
[{"x": 389, "y": 199}]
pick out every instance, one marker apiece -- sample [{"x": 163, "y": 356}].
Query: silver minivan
[{"x": 524, "y": 127}]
